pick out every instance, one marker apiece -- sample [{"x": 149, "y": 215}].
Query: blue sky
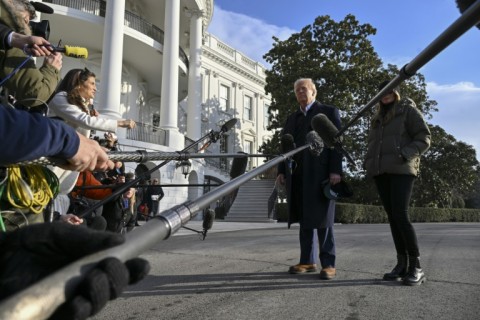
[{"x": 404, "y": 29}]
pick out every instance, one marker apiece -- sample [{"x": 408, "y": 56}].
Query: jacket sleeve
[
  {"x": 418, "y": 130},
  {"x": 335, "y": 162},
  {"x": 90, "y": 180},
  {"x": 4, "y": 32},
  {"x": 28, "y": 136},
  {"x": 282, "y": 166},
  {"x": 30, "y": 86},
  {"x": 72, "y": 114},
  {"x": 161, "y": 194}
]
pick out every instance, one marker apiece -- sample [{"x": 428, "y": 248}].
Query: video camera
[{"x": 42, "y": 28}]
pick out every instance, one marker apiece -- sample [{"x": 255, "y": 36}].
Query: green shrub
[{"x": 357, "y": 213}]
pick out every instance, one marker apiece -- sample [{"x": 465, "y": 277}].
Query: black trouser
[{"x": 395, "y": 191}]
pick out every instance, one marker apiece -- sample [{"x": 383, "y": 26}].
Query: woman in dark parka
[{"x": 397, "y": 138}]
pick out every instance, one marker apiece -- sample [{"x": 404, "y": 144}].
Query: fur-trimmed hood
[{"x": 11, "y": 17}]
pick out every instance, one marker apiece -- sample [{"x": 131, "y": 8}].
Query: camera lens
[{"x": 40, "y": 29}]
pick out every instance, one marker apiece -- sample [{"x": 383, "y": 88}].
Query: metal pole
[
  {"x": 40, "y": 300},
  {"x": 468, "y": 19},
  {"x": 143, "y": 156}
]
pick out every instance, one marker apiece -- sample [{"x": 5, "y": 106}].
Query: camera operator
[{"x": 31, "y": 86}]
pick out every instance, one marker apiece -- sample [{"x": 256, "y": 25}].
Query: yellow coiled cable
[{"x": 31, "y": 187}]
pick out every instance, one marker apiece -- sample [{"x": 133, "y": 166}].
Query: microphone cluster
[
  {"x": 328, "y": 133},
  {"x": 313, "y": 139}
]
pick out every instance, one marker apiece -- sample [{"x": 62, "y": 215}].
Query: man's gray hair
[{"x": 310, "y": 82}]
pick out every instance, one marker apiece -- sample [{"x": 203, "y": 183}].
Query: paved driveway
[{"x": 241, "y": 274}]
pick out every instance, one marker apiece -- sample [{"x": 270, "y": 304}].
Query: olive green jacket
[
  {"x": 29, "y": 85},
  {"x": 396, "y": 146}
]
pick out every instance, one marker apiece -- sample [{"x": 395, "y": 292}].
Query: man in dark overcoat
[{"x": 304, "y": 178}]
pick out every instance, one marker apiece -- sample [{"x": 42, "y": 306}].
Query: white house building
[{"x": 156, "y": 64}]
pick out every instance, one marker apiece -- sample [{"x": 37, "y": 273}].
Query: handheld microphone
[
  {"x": 315, "y": 142},
  {"x": 208, "y": 220},
  {"x": 41, "y": 7},
  {"x": 215, "y": 135},
  {"x": 207, "y": 223},
  {"x": 73, "y": 52},
  {"x": 327, "y": 131},
  {"x": 287, "y": 143},
  {"x": 228, "y": 125}
]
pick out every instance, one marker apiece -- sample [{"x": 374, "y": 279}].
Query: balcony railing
[
  {"x": 147, "y": 133},
  {"x": 98, "y": 8}
]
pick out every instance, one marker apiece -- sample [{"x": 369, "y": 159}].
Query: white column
[
  {"x": 194, "y": 78},
  {"x": 169, "y": 98},
  {"x": 112, "y": 56}
]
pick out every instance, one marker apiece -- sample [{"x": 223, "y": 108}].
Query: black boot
[
  {"x": 415, "y": 275},
  {"x": 399, "y": 271}
]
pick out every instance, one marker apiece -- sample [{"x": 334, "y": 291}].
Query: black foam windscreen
[
  {"x": 41, "y": 7},
  {"x": 287, "y": 143},
  {"x": 463, "y": 5},
  {"x": 228, "y": 125},
  {"x": 325, "y": 129},
  {"x": 142, "y": 171},
  {"x": 239, "y": 165},
  {"x": 208, "y": 219},
  {"x": 315, "y": 142},
  {"x": 98, "y": 223}
]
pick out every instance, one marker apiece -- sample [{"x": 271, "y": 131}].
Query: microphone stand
[{"x": 468, "y": 19}]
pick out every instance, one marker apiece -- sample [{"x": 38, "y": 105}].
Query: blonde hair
[{"x": 132, "y": 202}]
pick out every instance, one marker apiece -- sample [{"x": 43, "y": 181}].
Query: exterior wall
[{"x": 223, "y": 66}]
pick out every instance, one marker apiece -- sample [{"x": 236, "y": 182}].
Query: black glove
[{"x": 32, "y": 253}]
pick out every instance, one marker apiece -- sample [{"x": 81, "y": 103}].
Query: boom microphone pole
[
  {"x": 40, "y": 300},
  {"x": 468, "y": 19},
  {"x": 144, "y": 156}
]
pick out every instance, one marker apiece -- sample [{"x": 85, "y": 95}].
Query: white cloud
[
  {"x": 459, "y": 110},
  {"x": 250, "y": 36}
]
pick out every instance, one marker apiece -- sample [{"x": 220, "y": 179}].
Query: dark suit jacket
[{"x": 307, "y": 203}]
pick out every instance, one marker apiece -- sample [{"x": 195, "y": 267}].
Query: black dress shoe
[{"x": 399, "y": 271}]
